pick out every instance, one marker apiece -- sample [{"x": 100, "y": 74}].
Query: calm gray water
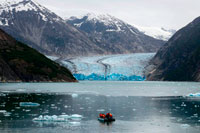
[{"x": 141, "y": 107}]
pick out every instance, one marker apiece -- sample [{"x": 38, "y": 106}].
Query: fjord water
[{"x": 150, "y": 107}]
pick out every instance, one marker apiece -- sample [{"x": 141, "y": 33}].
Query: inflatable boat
[{"x": 106, "y": 120}]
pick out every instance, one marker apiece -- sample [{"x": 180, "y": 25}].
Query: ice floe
[
  {"x": 59, "y": 118},
  {"x": 28, "y": 104},
  {"x": 74, "y": 95},
  {"x": 3, "y": 111},
  {"x": 194, "y": 95}
]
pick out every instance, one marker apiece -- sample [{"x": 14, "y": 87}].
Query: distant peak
[
  {"x": 21, "y": 5},
  {"x": 107, "y": 19}
]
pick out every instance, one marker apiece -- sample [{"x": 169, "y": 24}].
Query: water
[{"x": 150, "y": 107}]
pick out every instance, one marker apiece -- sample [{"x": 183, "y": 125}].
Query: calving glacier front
[{"x": 111, "y": 67}]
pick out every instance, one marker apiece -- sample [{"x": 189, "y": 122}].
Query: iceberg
[
  {"x": 74, "y": 95},
  {"x": 28, "y": 104},
  {"x": 48, "y": 118},
  {"x": 59, "y": 118},
  {"x": 194, "y": 95}
]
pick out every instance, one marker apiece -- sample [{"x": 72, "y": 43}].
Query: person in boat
[
  {"x": 102, "y": 115},
  {"x": 109, "y": 116}
]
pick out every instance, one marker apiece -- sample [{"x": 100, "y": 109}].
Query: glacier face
[{"x": 129, "y": 67}]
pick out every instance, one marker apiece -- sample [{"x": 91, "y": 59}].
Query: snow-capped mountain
[
  {"x": 43, "y": 30},
  {"x": 114, "y": 35},
  {"x": 156, "y": 32}
]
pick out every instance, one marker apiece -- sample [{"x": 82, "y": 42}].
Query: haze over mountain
[
  {"x": 43, "y": 30},
  {"x": 179, "y": 58},
  {"x": 113, "y": 35},
  {"x": 18, "y": 62}
]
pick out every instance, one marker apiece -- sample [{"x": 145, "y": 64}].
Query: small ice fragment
[
  {"x": 183, "y": 104},
  {"x": 100, "y": 110},
  {"x": 21, "y": 90},
  {"x": 64, "y": 116},
  {"x": 7, "y": 114},
  {"x": 76, "y": 116},
  {"x": 87, "y": 98},
  {"x": 2, "y": 94},
  {"x": 74, "y": 123},
  {"x": 28, "y": 104},
  {"x": 74, "y": 95},
  {"x": 185, "y": 125},
  {"x": 3, "y": 111},
  {"x": 134, "y": 109}
]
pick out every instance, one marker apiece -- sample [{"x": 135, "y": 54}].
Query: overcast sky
[{"x": 156, "y": 13}]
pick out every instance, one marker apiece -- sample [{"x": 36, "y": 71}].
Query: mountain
[
  {"x": 33, "y": 24},
  {"x": 179, "y": 58},
  {"x": 18, "y": 62},
  {"x": 113, "y": 35},
  {"x": 156, "y": 32}
]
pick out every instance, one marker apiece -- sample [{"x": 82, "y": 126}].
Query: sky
[{"x": 170, "y": 14}]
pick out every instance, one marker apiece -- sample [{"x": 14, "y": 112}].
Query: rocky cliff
[
  {"x": 179, "y": 58},
  {"x": 18, "y": 62}
]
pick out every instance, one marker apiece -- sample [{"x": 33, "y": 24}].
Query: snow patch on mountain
[
  {"x": 111, "y": 21},
  {"x": 156, "y": 32},
  {"x": 8, "y": 8},
  {"x": 17, "y": 5},
  {"x": 114, "y": 24},
  {"x": 21, "y": 5}
]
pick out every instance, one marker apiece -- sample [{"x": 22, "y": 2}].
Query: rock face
[
  {"x": 113, "y": 35},
  {"x": 33, "y": 24},
  {"x": 18, "y": 62},
  {"x": 179, "y": 58}
]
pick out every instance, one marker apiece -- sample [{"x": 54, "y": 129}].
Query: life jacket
[{"x": 102, "y": 115}]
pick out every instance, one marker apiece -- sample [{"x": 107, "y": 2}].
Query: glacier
[{"x": 121, "y": 67}]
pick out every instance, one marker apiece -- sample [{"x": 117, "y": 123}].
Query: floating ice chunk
[
  {"x": 185, "y": 125},
  {"x": 183, "y": 104},
  {"x": 74, "y": 123},
  {"x": 74, "y": 95},
  {"x": 2, "y": 95},
  {"x": 64, "y": 116},
  {"x": 28, "y": 104},
  {"x": 194, "y": 95},
  {"x": 55, "y": 118},
  {"x": 76, "y": 116},
  {"x": 20, "y": 90},
  {"x": 7, "y": 114},
  {"x": 3, "y": 111},
  {"x": 48, "y": 118},
  {"x": 134, "y": 109},
  {"x": 100, "y": 110}
]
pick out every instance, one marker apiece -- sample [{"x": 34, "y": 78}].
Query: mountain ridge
[
  {"x": 108, "y": 31},
  {"x": 43, "y": 30}
]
